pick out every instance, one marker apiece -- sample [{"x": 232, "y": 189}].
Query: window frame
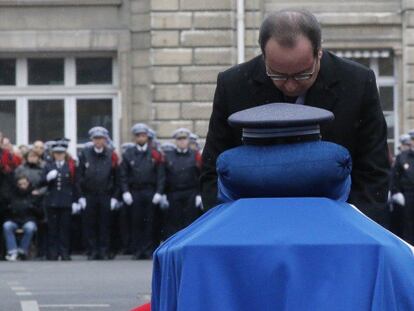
[{"x": 69, "y": 92}]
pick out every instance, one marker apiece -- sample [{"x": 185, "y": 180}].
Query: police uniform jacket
[
  {"x": 182, "y": 170},
  {"x": 61, "y": 191},
  {"x": 343, "y": 87},
  {"x": 98, "y": 172},
  {"x": 403, "y": 172},
  {"x": 142, "y": 170}
]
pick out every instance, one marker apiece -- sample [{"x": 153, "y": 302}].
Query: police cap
[
  {"x": 98, "y": 131},
  {"x": 60, "y": 145},
  {"x": 405, "y": 139},
  {"x": 280, "y": 122},
  {"x": 140, "y": 128},
  {"x": 181, "y": 133}
]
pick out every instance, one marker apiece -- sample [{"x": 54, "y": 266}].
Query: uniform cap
[
  {"x": 181, "y": 132},
  {"x": 151, "y": 133},
  {"x": 194, "y": 137},
  {"x": 60, "y": 145},
  {"x": 411, "y": 133},
  {"x": 140, "y": 128},
  {"x": 280, "y": 122},
  {"x": 405, "y": 139},
  {"x": 98, "y": 131}
]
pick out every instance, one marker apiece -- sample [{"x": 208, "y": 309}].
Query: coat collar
[{"x": 321, "y": 94}]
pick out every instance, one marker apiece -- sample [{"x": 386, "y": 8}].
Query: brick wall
[
  {"x": 192, "y": 41},
  {"x": 181, "y": 45}
]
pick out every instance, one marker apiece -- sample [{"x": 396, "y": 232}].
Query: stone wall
[
  {"x": 407, "y": 109},
  {"x": 191, "y": 42}
]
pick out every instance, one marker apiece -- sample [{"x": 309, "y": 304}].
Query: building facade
[{"x": 67, "y": 65}]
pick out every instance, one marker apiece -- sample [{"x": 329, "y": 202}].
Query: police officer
[
  {"x": 194, "y": 145},
  {"x": 142, "y": 185},
  {"x": 98, "y": 190},
  {"x": 405, "y": 142},
  {"x": 183, "y": 167},
  {"x": 403, "y": 189},
  {"x": 60, "y": 200}
]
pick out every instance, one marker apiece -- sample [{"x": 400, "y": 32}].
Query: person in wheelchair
[{"x": 21, "y": 213}]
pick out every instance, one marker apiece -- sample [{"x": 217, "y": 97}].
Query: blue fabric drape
[
  {"x": 283, "y": 254},
  {"x": 314, "y": 169}
]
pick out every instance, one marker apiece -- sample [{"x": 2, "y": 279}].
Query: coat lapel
[{"x": 323, "y": 92}]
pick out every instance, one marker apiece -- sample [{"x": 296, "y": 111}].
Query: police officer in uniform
[
  {"x": 405, "y": 142},
  {"x": 402, "y": 189},
  {"x": 194, "y": 145},
  {"x": 182, "y": 167},
  {"x": 142, "y": 185},
  {"x": 98, "y": 189},
  {"x": 60, "y": 200}
]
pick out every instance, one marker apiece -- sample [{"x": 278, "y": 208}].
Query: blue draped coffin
[{"x": 284, "y": 253}]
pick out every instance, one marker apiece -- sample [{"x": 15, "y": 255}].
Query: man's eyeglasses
[{"x": 298, "y": 77}]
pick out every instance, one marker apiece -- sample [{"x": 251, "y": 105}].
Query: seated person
[{"x": 21, "y": 213}]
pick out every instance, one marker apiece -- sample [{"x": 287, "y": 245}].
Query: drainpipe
[{"x": 240, "y": 31}]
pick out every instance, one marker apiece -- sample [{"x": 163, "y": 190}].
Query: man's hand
[
  {"x": 156, "y": 199},
  {"x": 127, "y": 197},
  {"x": 82, "y": 203},
  {"x": 198, "y": 202},
  {"x": 114, "y": 204},
  {"x": 398, "y": 198},
  {"x": 51, "y": 175},
  {"x": 76, "y": 208}
]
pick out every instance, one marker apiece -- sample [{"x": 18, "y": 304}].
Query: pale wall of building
[{"x": 169, "y": 52}]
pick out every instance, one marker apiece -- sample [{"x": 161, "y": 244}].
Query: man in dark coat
[
  {"x": 402, "y": 190},
  {"x": 182, "y": 170},
  {"x": 142, "y": 175},
  {"x": 98, "y": 188},
  {"x": 294, "y": 68}
]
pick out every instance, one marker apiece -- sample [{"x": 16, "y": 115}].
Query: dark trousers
[
  {"x": 181, "y": 212},
  {"x": 408, "y": 214},
  {"x": 115, "y": 242},
  {"x": 77, "y": 234},
  {"x": 142, "y": 222},
  {"x": 58, "y": 231},
  {"x": 42, "y": 242},
  {"x": 97, "y": 223},
  {"x": 125, "y": 224},
  {"x": 397, "y": 220}
]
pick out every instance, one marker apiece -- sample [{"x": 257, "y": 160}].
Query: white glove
[
  {"x": 156, "y": 199},
  {"x": 198, "y": 201},
  {"x": 51, "y": 175},
  {"x": 114, "y": 204},
  {"x": 76, "y": 208},
  {"x": 82, "y": 203},
  {"x": 398, "y": 198},
  {"x": 127, "y": 197},
  {"x": 164, "y": 204}
]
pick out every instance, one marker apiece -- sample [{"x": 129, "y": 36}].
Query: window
[
  {"x": 382, "y": 63},
  {"x": 41, "y": 110},
  {"x": 94, "y": 70},
  {"x": 93, "y": 112},
  {"x": 7, "y": 72},
  {"x": 48, "y": 98},
  {"x": 8, "y": 118},
  {"x": 47, "y": 71}
]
